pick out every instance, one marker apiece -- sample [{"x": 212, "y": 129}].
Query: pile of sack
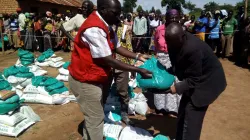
[
  {"x": 46, "y": 90},
  {"x": 4, "y": 85},
  {"x": 161, "y": 79},
  {"x": 25, "y": 57},
  {"x": 64, "y": 72},
  {"x": 48, "y": 58},
  {"x": 18, "y": 76}
]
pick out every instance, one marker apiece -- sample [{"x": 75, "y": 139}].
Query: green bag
[
  {"x": 25, "y": 75},
  {"x": 45, "y": 55},
  {"x": 66, "y": 65},
  {"x": 11, "y": 100},
  {"x": 41, "y": 58},
  {"x": 26, "y": 63},
  {"x": 50, "y": 81},
  {"x": 108, "y": 138},
  {"x": 28, "y": 55},
  {"x": 161, "y": 137},
  {"x": 10, "y": 71},
  {"x": 22, "y": 52},
  {"x": 161, "y": 79},
  {"x": 5, "y": 38},
  {"x": 5, "y": 108},
  {"x": 58, "y": 91},
  {"x": 131, "y": 92},
  {"x": 23, "y": 69},
  {"x": 5, "y": 85},
  {"x": 38, "y": 80},
  {"x": 57, "y": 85}
]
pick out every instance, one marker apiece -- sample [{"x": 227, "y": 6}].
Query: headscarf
[
  {"x": 48, "y": 13},
  {"x": 172, "y": 12},
  {"x": 18, "y": 10}
]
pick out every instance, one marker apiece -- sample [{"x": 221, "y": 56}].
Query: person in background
[
  {"x": 6, "y": 25},
  {"x": 246, "y": 44},
  {"x": 29, "y": 38},
  {"x": 21, "y": 21},
  {"x": 58, "y": 24},
  {"x": 228, "y": 28},
  {"x": 214, "y": 35},
  {"x": 91, "y": 63},
  {"x": 209, "y": 16},
  {"x": 153, "y": 25},
  {"x": 202, "y": 79},
  {"x": 47, "y": 35},
  {"x": 14, "y": 25},
  {"x": 200, "y": 26},
  {"x": 38, "y": 33},
  {"x": 140, "y": 30},
  {"x": 164, "y": 102},
  {"x": 189, "y": 25}
]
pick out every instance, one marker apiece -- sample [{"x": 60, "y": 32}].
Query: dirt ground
[{"x": 227, "y": 118}]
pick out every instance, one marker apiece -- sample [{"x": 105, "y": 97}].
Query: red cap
[{"x": 18, "y": 10}]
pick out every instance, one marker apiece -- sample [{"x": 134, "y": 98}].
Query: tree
[
  {"x": 227, "y": 7},
  {"x": 146, "y": 12},
  {"x": 129, "y": 5},
  {"x": 189, "y": 6},
  {"x": 242, "y": 3},
  {"x": 139, "y": 8},
  {"x": 158, "y": 12},
  {"x": 211, "y": 6},
  {"x": 152, "y": 10},
  {"x": 173, "y": 4}
]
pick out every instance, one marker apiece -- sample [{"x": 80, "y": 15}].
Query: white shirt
[
  {"x": 21, "y": 20},
  {"x": 155, "y": 23},
  {"x": 97, "y": 41},
  {"x": 74, "y": 23}
]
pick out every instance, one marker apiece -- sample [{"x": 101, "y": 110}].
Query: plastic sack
[
  {"x": 161, "y": 78},
  {"x": 5, "y": 108},
  {"x": 10, "y": 71},
  {"x": 112, "y": 131},
  {"x": 37, "y": 98},
  {"x": 45, "y": 55},
  {"x": 26, "y": 83},
  {"x": 5, "y": 85},
  {"x": 55, "y": 64},
  {"x": 161, "y": 137},
  {"x": 134, "y": 133},
  {"x": 59, "y": 99},
  {"x": 63, "y": 71},
  {"x": 138, "y": 104},
  {"x": 29, "y": 113},
  {"x": 13, "y": 99},
  {"x": 57, "y": 59},
  {"x": 66, "y": 65},
  {"x": 22, "y": 52},
  {"x": 27, "y": 56},
  {"x": 26, "y": 63},
  {"x": 112, "y": 117},
  {"x": 40, "y": 72},
  {"x": 12, "y": 120},
  {"x": 17, "y": 129},
  {"x": 25, "y": 75},
  {"x": 34, "y": 68},
  {"x": 63, "y": 78},
  {"x": 42, "y": 64},
  {"x": 14, "y": 79},
  {"x": 58, "y": 91},
  {"x": 57, "y": 85}
]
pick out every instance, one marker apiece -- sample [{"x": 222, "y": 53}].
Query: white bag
[
  {"x": 134, "y": 133},
  {"x": 40, "y": 72},
  {"x": 31, "y": 89},
  {"x": 43, "y": 64},
  {"x": 55, "y": 64},
  {"x": 15, "y": 80},
  {"x": 34, "y": 68},
  {"x": 11, "y": 120},
  {"x": 59, "y": 99},
  {"x": 132, "y": 83},
  {"x": 37, "y": 98},
  {"x": 112, "y": 118},
  {"x": 18, "y": 63},
  {"x": 41, "y": 90},
  {"x": 63, "y": 71},
  {"x": 112, "y": 131},
  {"x": 138, "y": 104},
  {"x": 29, "y": 113},
  {"x": 63, "y": 78},
  {"x": 17, "y": 129},
  {"x": 57, "y": 59},
  {"x": 26, "y": 83}
]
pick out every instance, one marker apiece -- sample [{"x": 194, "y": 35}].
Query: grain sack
[
  {"x": 112, "y": 131},
  {"x": 37, "y": 98},
  {"x": 40, "y": 73},
  {"x": 29, "y": 113},
  {"x": 63, "y": 78},
  {"x": 138, "y": 104},
  {"x": 57, "y": 59},
  {"x": 63, "y": 71},
  {"x": 55, "y": 64},
  {"x": 42, "y": 64},
  {"x": 135, "y": 133},
  {"x": 11, "y": 120}
]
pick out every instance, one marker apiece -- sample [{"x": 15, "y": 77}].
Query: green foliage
[
  {"x": 211, "y": 6},
  {"x": 189, "y": 6},
  {"x": 139, "y": 8},
  {"x": 152, "y": 10},
  {"x": 173, "y": 4},
  {"x": 158, "y": 12},
  {"x": 129, "y": 5}
]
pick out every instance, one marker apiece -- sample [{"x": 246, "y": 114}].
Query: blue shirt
[
  {"x": 203, "y": 28},
  {"x": 14, "y": 25},
  {"x": 215, "y": 32}
]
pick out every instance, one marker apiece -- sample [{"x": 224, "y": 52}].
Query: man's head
[
  {"x": 87, "y": 8},
  {"x": 203, "y": 13},
  {"x": 230, "y": 14},
  {"x": 217, "y": 14},
  {"x": 129, "y": 17},
  {"x": 193, "y": 18},
  {"x": 110, "y": 10},
  {"x": 241, "y": 10},
  {"x": 175, "y": 37},
  {"x": 140, "y": 14},
  {"x": 19, "y": 10},
  {"x": 172, "y": 15}
]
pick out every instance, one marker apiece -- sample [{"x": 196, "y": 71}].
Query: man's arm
[
  {"x": 146, "y": 26},
  {"x": 128, "y": 54},
  {"x": 66, "y": 33},
  {"x": 134, "y": 25},
  {"x": 192, "y": 74}
]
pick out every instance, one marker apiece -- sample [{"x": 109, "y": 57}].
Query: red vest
[{"x": 83, "y": 67}]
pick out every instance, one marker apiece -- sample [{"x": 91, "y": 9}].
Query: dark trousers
[
  {"x": 121, "y": 79},
  {"x": 190, "y": 119},
  {"x": 139, "y": 44},
  {"x": 215, "y": 44}
]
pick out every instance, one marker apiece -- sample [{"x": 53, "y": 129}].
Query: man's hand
[
  {"x": 173, "y": 89},
  {"x": 145, "y": 73},
  {"x": 143, "y": 57}
]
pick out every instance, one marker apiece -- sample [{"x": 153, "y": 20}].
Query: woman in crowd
[
  {"x": 6, "y": 24},
  {"x": 189, "y": 25},
  {"x": 47, "y": 35},
  {"x": 14, "y": 39},
  {"x": 29, "y": 38},
  {"x": 153, "y": 25},
  {"x": 38, "y": 33},
  {"x": 165, "y": 102}
]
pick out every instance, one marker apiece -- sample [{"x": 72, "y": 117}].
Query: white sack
[
  {"x": 40, "y": 72},
  {"x": 134, "y": 133},
  {"x": 29, "y": 113},
  {"x": 112, "y": 131},
  {"x": 26, "y": 83},
  {"x": 63, "y": 71},
  {"x": 59, "y": 99},
  {"x": 38, "y": 98},
  {"x": 138, "y": 104},
  {"x": 55, "y": 64},
  {"x": 57, "y": 59},
  {"x": 43, "y": 64},
  {"x": 11, "y": 120},
  {"x": 15, "y": 80},
  {"x": 34, "y": 68},
  {"x": 63, "y": 78}
]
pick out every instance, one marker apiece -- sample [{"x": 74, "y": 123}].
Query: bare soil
[{"x": 227, "y": 118}]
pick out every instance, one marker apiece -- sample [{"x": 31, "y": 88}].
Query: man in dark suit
[{"x": 202, "y": 76}]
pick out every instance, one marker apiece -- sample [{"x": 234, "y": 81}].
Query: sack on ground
[
  {"x": 112, "y": 131},
  {"x": 66, "y": 65},
  {"x": 29, "y": 113},
  {"x": 161, "y": 78},
  {"x": 63, "y": 71},
  {"x": 37, "y": 98},
  {"x": 12, "y": 120},
  {"x": 42, "y": 64},
  {"x": 138, "y": 105},
  {"x": 57, "y": 59},
  {"x": 135, "y": 133},
  {"x": 63, "y": 78},
  {"x": 55, "y": 64}
]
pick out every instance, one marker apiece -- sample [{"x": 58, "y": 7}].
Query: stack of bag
[
  {"x": 47, "y": 59},
  {"x": 25, "y": 57},
  {"x": 161, "y": 79},
  {"x": 46, "y": 90},
  {"x": 4, "y": 85},
  {"x": 64, "y": 72},
  {"x": 14, "y": 118},
  {"x": 18, "y": 76}
]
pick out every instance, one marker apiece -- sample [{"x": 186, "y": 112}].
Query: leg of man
[
  {"x": 15, "y": 39},
  {"x": 229, "y": 45},
  {"x": 190, "y": 120},
  {"x": 223, "y": 44},
  {"x": 89, "y": 98}
]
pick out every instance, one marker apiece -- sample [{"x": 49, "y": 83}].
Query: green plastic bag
[
  {"x": 108, "y": 138},
  {"x": 38, "y": 80},
  {"x": 131, "y": 92},
  {"x": 28, "y": 55},
  {"x": 45, "y": 55},
  {"x": 10, "y": 71},
  {"x": 57, "y": 85},
  {"x": 22, "y": 52},
  {"x": 23, "y": 69},
  {"x": 66, "y": 65},
  {"x": 58, "y": 91},
  {"x": 161, "y": 79},
  {"x": 5, "y": 85},
  {"x": 5, "y": 108},
  {"x": 50, "y": 81},
  {"x": 5, "y": 38},
  {"x": 161, "y": 137},
  {"x": 41, "y": 58},
  {"x": 25, "y": 75},
  {"x": 26, "y": 63},
  {"x": 11, "y": 100}
]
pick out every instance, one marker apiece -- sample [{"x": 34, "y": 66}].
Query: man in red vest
[{"x": 91, "y": 62}]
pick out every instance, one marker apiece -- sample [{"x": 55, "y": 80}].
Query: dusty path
[{"x": 228, "y": 118}]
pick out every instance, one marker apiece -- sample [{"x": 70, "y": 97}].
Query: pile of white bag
[
  {"x": 52, "y": 62},
  {"x": 64, "y": 73},
  {"x": 15, "y": 122}
]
